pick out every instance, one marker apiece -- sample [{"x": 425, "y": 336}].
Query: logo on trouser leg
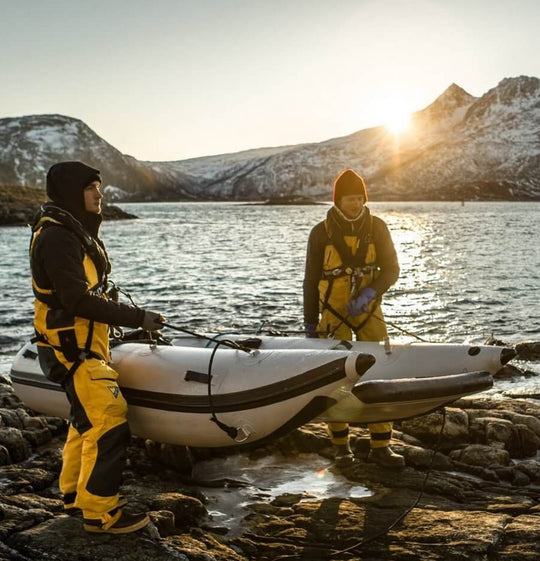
[{"x": 115, "y": 390}]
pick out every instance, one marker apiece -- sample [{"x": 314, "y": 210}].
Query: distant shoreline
[{"x": 19, "y": 204}]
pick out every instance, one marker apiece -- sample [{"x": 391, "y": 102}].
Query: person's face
[
  {"x": 351, "y": 205},
  {"x": 92, "y": 197}
]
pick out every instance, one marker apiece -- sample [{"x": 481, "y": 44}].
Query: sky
[{"x": 175, "y": 79}]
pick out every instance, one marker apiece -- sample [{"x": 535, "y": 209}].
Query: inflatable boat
[
  {"x": 200, "y": 392},
  {"x": 406, "y": 379},
  {"x": 204, "y": 398}
]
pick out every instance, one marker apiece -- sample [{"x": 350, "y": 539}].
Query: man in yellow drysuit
[
  {"x": 72, "y": 314},
  {"x": 351, "y": 262}
]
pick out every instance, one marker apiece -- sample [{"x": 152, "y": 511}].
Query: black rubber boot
[
  {"x": 344, "y": 456},
  {"x": 385, "y": 457},
  {"x": 124, "y": 525}
]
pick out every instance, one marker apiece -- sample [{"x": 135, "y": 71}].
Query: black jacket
[{"x": 57, "y": 264}]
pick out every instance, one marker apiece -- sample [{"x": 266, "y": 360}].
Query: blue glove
[
  {"x": 311, "y": 330},
  {"x": 360, "y": 304}
]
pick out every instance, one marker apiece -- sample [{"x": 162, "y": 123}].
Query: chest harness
[
  {"x": 359, "y": 266},
  {"x": 68, "y": 346}
]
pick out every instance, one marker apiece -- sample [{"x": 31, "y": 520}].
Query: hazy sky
[{"x": 174, "y": 79}]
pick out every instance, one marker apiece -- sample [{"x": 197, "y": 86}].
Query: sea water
[
  {"x": 467, "y": 271},
  {"x": 308, "y": 477}
]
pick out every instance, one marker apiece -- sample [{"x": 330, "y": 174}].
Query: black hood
[{"x": 66, "y": 182}]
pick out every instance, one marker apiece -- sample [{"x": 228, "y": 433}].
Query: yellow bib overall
[
  {"x": 338, "y": 285},
  {"x": 74, "y": 351}
]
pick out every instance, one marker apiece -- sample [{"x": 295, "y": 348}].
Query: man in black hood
[
  {"x": 67, "y": 186},
  {"x": 72, "y": 314}
]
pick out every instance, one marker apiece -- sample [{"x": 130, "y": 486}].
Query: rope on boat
[
  {"x": 225, "y": 342},
  {"x": 236, "y": 433}
]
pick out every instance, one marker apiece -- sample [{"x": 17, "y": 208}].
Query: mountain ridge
[{"x": 460, "y": 147}]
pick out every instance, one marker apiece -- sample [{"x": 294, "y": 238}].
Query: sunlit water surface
[
  {"x": 307, "y": 477},
  {"x": 466, "y": 271}
]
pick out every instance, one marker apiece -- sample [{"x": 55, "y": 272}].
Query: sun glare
[
  {"x": 395, "y": 115},
  {"x": 398, "y": 123}
]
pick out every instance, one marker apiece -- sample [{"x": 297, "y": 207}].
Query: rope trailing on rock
[{"x": 357, "y": 546}]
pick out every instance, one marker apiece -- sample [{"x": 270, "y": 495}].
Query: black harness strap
[
  {"x": 84, "y": 354},
  {"x": 351, "y": 264},
  {"x": 348, "y": 259},
  {"x": 348, "y": 323}
]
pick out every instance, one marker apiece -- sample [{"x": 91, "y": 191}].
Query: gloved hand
[
  {"x": 152, "y": 321},
  {"x": 360, "y": 304},
  {"x": 311, "y": 330}
]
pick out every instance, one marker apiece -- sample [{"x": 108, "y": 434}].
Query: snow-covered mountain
[
  {"x": 30, "y": 145},
  {"x": 460, "y": 147}
]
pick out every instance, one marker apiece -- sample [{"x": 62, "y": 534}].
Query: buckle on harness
[{"x": 338, "y": 271}]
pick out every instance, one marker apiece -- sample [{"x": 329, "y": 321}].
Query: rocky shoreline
[
  {"x": 470, "y": 490},
  {"x": 19, "y": 205}
]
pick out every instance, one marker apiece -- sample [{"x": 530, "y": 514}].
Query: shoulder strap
[
  {"x": 337, "y": 239},
  {"x": 55, "y": 216}
]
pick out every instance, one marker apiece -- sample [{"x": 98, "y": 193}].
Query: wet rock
[
  {"x": 428, "y": 427},
  {"x": 481, "y": 455},
  {"x": 164, "y": 522},
  {"x": 528, "y": 420},
  {"x": 187, "y": 511},
  {"x": 508, "y": 371},
  {"x": 4, "y": 456},
  {"x": 528, "y": 350},
  {"x": 63, "y": 537},
  {"x": 519, "y": 541},
  {"x": 520, "y": 479},
  {"x": 531, "y": 468},
  {"x": 175, "y": 457},
  {"x": 470, "y": 490},
  {"x": 422, "y": 458},
  {"x": 18, "y": 448}
]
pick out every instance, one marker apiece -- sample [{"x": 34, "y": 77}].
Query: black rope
[
  {"x": 232, "y": 344},
  {"x": 410, "y": 333},
  {"x": 414, "y": 505},
  {"x": 231, "y": 431},
  {"x": 354, "y": 548},
  {"x": 226, "y": 342}
]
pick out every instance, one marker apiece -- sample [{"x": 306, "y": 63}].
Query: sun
[
  {"x": 397, "y": 123},
  {"x": 396, "y": 115}
]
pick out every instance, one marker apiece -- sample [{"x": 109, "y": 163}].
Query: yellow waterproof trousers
[
  {"x": 373, "y": 330},
  {"x": 95, "y": 450}
]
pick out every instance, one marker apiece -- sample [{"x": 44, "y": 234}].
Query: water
[
  {"x": 466, "y": 271},
  {"x": 307, "y": 476}
]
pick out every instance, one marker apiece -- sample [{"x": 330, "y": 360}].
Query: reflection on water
[{"x": 264, "y": 479}]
